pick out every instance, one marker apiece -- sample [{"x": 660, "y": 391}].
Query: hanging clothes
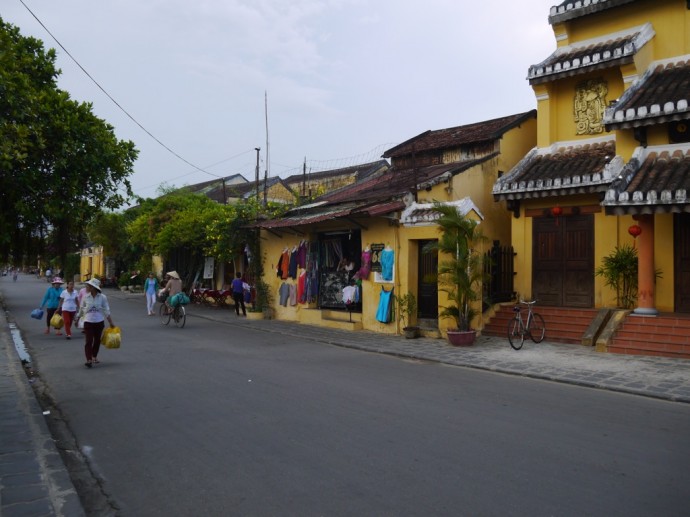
[
  {"x": 284, "y": 294},
  {"x": 301, "y": 287},
  {"x": 292, "y": 267},
  {"x": 293, "y": 294},
  {"x": 365, "y": 267},
  {"x": 387, "y": 260},
  {"x": 383, "y": 314},
  {"x": 284, "y": 264}
]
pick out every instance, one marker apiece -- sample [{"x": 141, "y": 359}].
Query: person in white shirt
[
  {"x": 69, "y": 299},
  {"x": 95, "y": 310}
]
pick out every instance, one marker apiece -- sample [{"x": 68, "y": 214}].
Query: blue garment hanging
[{"x": 383, "y": 314}]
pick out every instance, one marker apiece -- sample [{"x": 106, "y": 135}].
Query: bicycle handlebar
[{"x": 528, "y": 303}]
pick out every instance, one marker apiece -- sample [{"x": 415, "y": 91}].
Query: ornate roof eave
[
  {"x": 617, "y": 116},
  {"x": 510, "y": 187},
  {"x": 562, "y": 63},
  {"x": 572, "y": 9},
  {"x": 423, "y": 214},
  {"x": 618, "y": 201}
]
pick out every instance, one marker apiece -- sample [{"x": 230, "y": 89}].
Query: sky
[{"x": 332, "y": 82}]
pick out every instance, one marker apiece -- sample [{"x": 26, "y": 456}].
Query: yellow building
[
  {"x": 612, "y": 161},
  {"x": 357, "y": 243}
]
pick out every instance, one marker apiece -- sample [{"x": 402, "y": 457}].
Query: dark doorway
[
  {"x": 681, "y": 253},
  {"x": 427, "y": 285},
  {"x": 563, "y": 261}
]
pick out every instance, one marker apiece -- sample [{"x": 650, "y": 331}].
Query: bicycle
[
  {"x": 177, "y": 314},
  {"x": 534, "y": 327}
]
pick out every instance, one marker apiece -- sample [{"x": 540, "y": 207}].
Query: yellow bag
[
  {"x": 111, "y": 337},
  {"x": 56, "y": 321}
]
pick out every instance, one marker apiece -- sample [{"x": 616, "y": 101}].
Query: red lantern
[
  {"x": 556, "y": 211},
  {"x": 635, "y": 230}
]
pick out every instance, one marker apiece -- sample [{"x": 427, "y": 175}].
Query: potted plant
[
  {"x": 407, "y": 309},
  {"x": 264, "y": 299},
  {"x": 461, "y": 273}
]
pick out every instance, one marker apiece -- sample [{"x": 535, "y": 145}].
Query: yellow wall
[
  {"x": 92, "y": 263},
  {"x": 669, "y": 18}
]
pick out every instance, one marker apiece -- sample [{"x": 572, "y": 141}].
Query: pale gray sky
[{"x": 346, "y": 79}]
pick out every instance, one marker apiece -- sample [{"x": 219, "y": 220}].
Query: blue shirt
[{"x": 51, "y": 300}]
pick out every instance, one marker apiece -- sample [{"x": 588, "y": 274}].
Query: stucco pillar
[{"x": 645, "y": 266}]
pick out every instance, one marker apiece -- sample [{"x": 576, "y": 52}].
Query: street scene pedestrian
[
  {"x": 173, "y": 286},
  {"x": 150, "y": 291},
  {"x": 69, "y": 304},
  {"x": 238, "y": 294},
  {"x": 95, "y": 310},
  {"x": 51, "y": 302}
]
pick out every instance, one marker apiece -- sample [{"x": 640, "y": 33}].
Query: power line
[{"x": 111, "y": 98}]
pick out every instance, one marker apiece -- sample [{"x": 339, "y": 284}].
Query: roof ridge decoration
[
  {"x": 513, "y": 186},
  {"x": 619, "y": 200},
  {"x": 571, "y": 9},
  {"x": 626, "y": 113},
  {"x": 424, "y": 214},
  {"x": 575, "y": 58}
]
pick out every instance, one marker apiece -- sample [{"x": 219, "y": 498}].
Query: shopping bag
[
  {"x": 56, "y": 321},
  {"x": 37, "y": 314},
  {"x": 111, "y": 337},
  {"x": 80, "y": 323}
]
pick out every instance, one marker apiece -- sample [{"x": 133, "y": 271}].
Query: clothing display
[
  {"x": 365, "y": 267},
  {"x": 387, "y": 260},
  {"x": 383, "y": 313},
  {"x": 283, "y": 294}
]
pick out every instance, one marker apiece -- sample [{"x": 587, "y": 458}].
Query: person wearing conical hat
[
  {"x": 172, "y": 286},
  {"x": 51, "y": 301},
  {"x": 94, "y": 310}
]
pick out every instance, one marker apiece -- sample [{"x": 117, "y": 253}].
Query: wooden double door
[
  {"x": 681, "y": 239},
  {"x": 563, "y": 261}
]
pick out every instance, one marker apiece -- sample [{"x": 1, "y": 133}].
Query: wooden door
[
  {"x": 681, "y": 254},
  {"x": 427, "y": 283},
  {"x": 563, "y": 261}
]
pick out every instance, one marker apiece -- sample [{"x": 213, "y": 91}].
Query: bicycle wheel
[
  {"x": 537, "y": 328},
  {"x": 516, "y": 336},
  {"x": 165, "y": 316},
  {"x": 180, "y": 316}
]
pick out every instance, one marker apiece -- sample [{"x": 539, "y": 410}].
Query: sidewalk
[{"x": 33, "y": 478}]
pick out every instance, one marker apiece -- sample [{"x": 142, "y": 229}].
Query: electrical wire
[{"x": 112, "y": 99}]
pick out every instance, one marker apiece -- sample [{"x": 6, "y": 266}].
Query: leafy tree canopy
[{"x": 59, "y": 163}]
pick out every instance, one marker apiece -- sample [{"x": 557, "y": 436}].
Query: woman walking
[
  {"x": 69, "y": 303},
  {"x": 51, "y": 301},
  {"x": 150, "y": 291},
  {"x": 95, "y": 310}
]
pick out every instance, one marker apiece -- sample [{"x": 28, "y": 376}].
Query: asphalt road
[{"x": 216, "y": 419}]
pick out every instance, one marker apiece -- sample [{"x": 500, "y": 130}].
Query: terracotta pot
[
  {"x": 461, "y": 337},
  {"x": 410, "y": 332}
]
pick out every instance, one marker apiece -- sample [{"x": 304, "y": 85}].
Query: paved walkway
[{"x": 34, "y": 481}]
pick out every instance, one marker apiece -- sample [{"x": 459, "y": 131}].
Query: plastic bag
[
  {"x": 56, "y": 321},
  {"x": 112, "y": 337},
  {"x": 37, "y": 314},
  {"x": 80, "y": 323}
]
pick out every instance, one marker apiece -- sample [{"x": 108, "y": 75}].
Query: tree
[{"x": 59, "y": 163}]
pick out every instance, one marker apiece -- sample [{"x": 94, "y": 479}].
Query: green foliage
[
  {"x": 619, "y": 271},
  {"x": 407, "y": 308},
  {"x": 59, "y": 163},
  {"x": 264, "y": 296},
  {"x": 460, "y": 273}
]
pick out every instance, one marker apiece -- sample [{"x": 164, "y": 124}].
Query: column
[{"x": 645, "y": 267}]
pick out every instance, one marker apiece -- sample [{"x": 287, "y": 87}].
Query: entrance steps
[
  {"x": 665, "y": 335},
  {"x": 331, "y": 319},
  {"x": 563, "y": 324}
]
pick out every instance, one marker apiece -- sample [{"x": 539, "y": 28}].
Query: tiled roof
[
  {"x": 655, "y": 180},
  {"x": 361, "y": 171},
  {"x": 424, "y": 214},
  {"x": 562, "y": 169},
  {"x": 571, "y": 9},
  {"x": 375, "y": 196},
  {"x": 396, "y": 182},
  {"x": 459, "y": 136},
  {"x": 585, "y": 56},
  {"x": 661, "y": 95}
]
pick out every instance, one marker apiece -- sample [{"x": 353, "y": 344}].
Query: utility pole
[{"x": 257, "y": 149}]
